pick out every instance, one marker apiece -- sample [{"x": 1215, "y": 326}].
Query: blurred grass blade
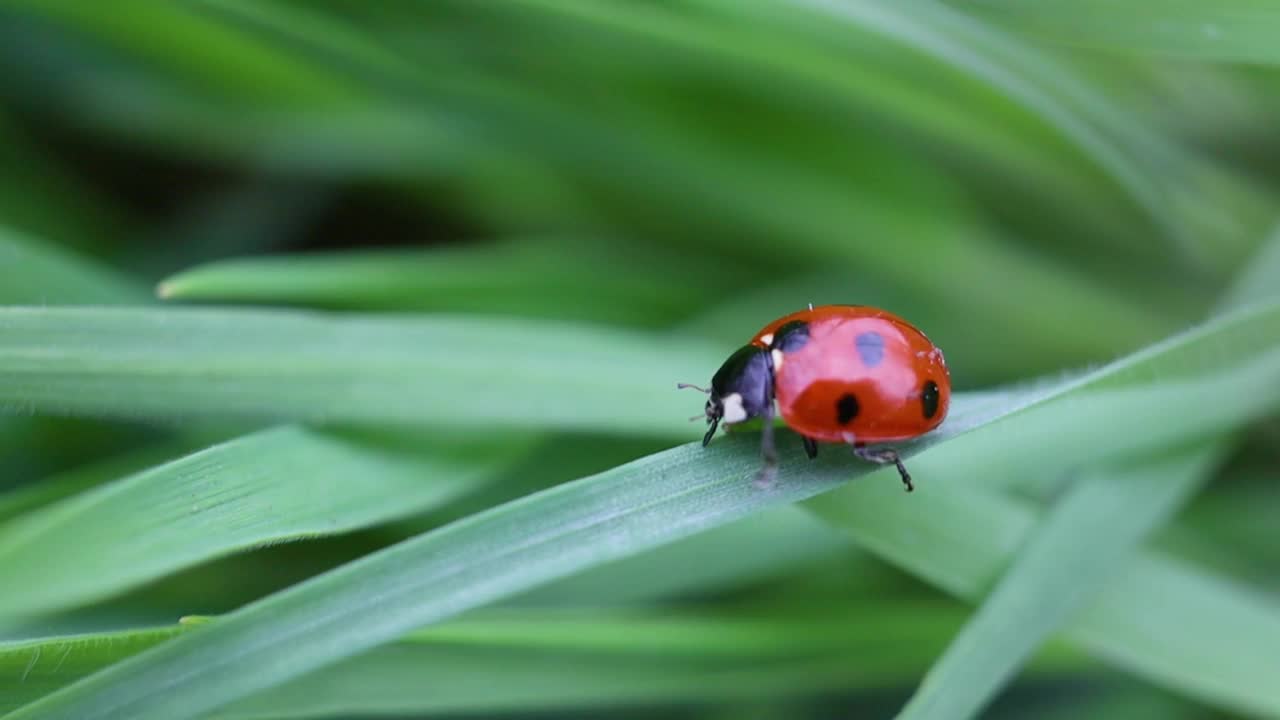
[
  {"x": 1084, "y": 539},
  {"x": 682, "y": 655},
  {"x": 623, "y": 511},
  {"x": 1259, "y": 280},
  {"x": 1132, "y": 155},
  {"x": 472, "y": 372},
  {"x": 1241, "y": 31},
  {"x": 533, "y": 279},
  {"x": 276, "y": 485},
  {"x": 59, "y": 486},
  {"x": 1186, "y": 629},
  {"x": 37, "y": 273},
  {"x": 609, "y": 662}
]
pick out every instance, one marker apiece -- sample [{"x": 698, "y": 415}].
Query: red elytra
[
  {"x": 882, "y": 361},
  {"x": 849, "y": 374}
]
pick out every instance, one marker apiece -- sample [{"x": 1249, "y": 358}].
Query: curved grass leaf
[
  {"x": 734, "y": 659},
  {"x": 65, "y": 484},
  {"x": 555, "y": 659},
  {"x": 37, "y": 273},
  {"x": 1230, "y": 30},
  {"x": 31, "y": 669},
  {"x": 1131, "y": 155},
  {"x": 620, "y": 512},
  {"x": 466, "y": 372},
  {"x": 273, "y": 486},
  {"x": 525, "y": 279},
  {"x": 1257, "y": 281},
  {"x": 1085, "y": 538},
  {"x": 1184, "y": 628}
]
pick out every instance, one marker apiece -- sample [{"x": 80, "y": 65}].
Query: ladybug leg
[
  {"x": 884, "y": 456},
  {"x": 768, "y": 452},
  {"x": 810, "y": 446}
]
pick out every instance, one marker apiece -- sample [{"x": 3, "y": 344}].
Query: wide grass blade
[
  {"x": 466, "y": 372},
  {"x": 620, "y": 512},
  {"x": 273, "y": 486},
  {"x": 1085, "y": 538},
  {"x": 86, "y": 476}
]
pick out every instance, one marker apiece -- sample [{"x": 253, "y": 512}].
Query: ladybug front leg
[{"x": 884, "y": 456}]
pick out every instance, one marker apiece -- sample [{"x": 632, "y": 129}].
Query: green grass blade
[
  {"x": 497, "y": 553},
  {"x": 525, "y": 279},
  {"x": 1184, "y": 628},
  {"x": 1084, "y": 539},
  {"x": 38, "y": 273},
  {"x": 1129, "y": 153},
  {"x": 683, "y": 655},
  {"x": 31, "y": 669},
  {"x": 59, "y": 486},
  {"x": 768, "y": 544},
  {"x": 751, "y": 658},
  {"x": 1257, "y": 280},
  {"x": 620, "y": 512},
  {"x": 467, "y": 372},
  {"x": 1240, "y": 31},
  {"x": 273, "y": 486}
]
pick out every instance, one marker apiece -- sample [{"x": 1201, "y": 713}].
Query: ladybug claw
[{"x": 766, "y": 477}]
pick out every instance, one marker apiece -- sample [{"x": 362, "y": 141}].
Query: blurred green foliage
[{"x": 483, "y": 241}]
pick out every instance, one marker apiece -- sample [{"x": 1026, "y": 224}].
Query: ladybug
[{"x": 850, "y": 374}]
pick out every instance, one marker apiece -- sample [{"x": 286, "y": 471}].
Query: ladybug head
[{"x": 739, "y": 390}]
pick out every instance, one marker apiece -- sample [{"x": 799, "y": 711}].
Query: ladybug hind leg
[
  {"x": 810, "y": 446},
  {"x": 885, "y": 456}
]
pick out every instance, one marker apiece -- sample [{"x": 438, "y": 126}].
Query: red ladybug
[{"x": 848, "y": 374}]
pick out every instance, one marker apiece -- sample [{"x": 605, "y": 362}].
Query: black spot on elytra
[
  {"x": 846, "y": 408},
  {"x": 929, "y": 399},
  {"x": 791, "y": 336},
  {"x": 870, "y": 348}
]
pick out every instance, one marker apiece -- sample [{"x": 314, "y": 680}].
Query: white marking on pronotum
[
  {"x": 733, "y": 410},
  {"x": 849, "y": 437},
  {"x": 767, "y": 338},
  {"x": 777, "y": 360}
]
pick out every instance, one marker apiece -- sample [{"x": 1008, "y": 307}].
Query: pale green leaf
[
  {"x": 1085, "y": 538},
  {"x": 273, "y": 486},
  {"x": 1224, "y": 30},
  {"x": 38, "y": 273},
  {"x": 484, "y": 373}
]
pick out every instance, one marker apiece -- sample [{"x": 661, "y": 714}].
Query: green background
[{"x": 339, "y": 342}]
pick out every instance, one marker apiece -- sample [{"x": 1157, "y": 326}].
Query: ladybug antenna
[
  {"x": 699, "y": 416},
  {"x": 686, "y": 386}
]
